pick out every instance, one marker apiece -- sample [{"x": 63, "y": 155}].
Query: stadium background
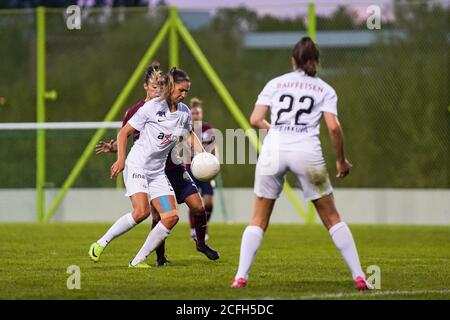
[
  {"x": 392, "y": 87},
  {"x": 394, "y": 106}
]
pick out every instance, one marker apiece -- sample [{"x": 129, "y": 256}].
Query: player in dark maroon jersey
[
  {"x": 205, "y": 132},
  {"x": 181, "y": 181}
]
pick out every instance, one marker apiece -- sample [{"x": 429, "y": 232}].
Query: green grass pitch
[{"x": 295, "y": 262}]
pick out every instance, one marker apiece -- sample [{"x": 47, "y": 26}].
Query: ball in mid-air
[{"x": 205, "y": 166}]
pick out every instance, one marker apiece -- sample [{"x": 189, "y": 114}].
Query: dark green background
[{"x": 393, "y": 96}]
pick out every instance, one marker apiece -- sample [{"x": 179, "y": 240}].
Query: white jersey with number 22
[{"x": 296, "y": 103}]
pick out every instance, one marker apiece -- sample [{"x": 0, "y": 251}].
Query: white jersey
[
  {"x": 296, "y": 103},
  {"x": 160, "y": 130}
]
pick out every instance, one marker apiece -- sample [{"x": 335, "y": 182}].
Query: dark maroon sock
[
  {"x": 200, "y": 223},
  {"x": 160, "y": 250},
  {"x": 208, "y": 216},
  {"x": 191, "y": 219}
]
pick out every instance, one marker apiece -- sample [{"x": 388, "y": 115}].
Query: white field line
[{"x": 371, "y": 294}]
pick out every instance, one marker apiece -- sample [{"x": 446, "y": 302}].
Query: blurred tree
[
  {"x": 271, "y": 23},
  {"x": 66, "y": 3},
  {"x": 393, "y": 95},
  {"x": 342, "y": 19},
  {"x": 161, "y": 3},
  {"x": 56, "y": 3},
  {"x": 99, "y": 3},
  {"x": 129, "y": 3},
  {"x": 18, "y": 3},
  {"x": 235, "y": 20}
]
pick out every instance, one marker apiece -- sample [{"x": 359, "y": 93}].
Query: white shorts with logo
[
  {"x": 136, "y": 180},
  {"x": 309, "y": 168}
]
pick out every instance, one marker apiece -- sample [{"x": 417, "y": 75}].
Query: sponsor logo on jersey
[
  {"x": 137, "y": 176},
  {"x": 166, "y": 138},
  {"x": 300, "y": 128},
  {"x": 161, "y": 114}
]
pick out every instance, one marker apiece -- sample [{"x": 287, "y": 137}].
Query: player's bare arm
[
  {"x": 196, "y": 143},
  {"x": 337, "y": 137},
  {"x": 106, "y": 147},
  {"x": 258, "y": 117},
  {"x": 122, "y": 138}
]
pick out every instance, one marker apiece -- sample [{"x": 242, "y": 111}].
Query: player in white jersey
[
  {"x": 182, "y": 184},
  {"x": 297, "y": 101},
  {"x": 162, "y": 122}
]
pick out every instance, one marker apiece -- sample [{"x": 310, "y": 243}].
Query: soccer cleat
[
  {"x": 361, "y": 283},
  {"x": 95, "y": 251},
  {"x": 140, "y": 265},
  {"x": 208, "y": 251},
  {"x": 162, "y": 262},
  {"x": 238, "y": 283}
]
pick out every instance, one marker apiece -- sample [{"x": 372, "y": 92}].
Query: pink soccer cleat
[
  {"x": 362, "y": 284},
  {"x": 238, "y": 283}
]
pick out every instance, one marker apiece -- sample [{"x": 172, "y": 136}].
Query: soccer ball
[{"x": 205, "y": 166}]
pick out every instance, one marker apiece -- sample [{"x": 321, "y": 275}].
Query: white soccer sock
[
  {"x": 342, "y": 238},
  {"x": 122, "y": 225},
  {"x": 154, "y": 239},
  {"x": 251, "y": 241}
]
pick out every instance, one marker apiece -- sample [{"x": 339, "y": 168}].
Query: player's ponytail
[
  {"x": 306, "y": 56},
  {"x": 173, "y": 76},
  {"x": 153, "y": 73}
]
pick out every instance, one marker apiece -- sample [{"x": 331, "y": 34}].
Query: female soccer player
[
  {"x": 162, "y": 122},
  {"x": 184, "y": 188},
  {"x": 206, "y": 134},
  {"x": 297, "y": 101}
]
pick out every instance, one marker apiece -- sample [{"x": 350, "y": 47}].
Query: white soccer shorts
[
  {"x": 309, "y": 168},
  {"x": 136, "y": 180}
]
